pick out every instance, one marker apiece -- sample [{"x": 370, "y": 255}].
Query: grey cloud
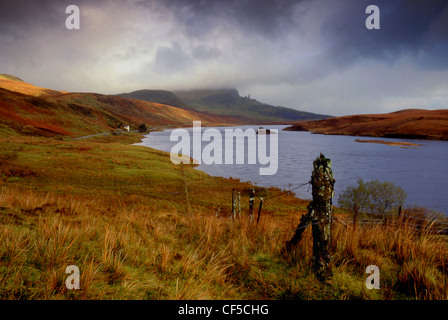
[
  {"x": 266, "y": 18},
  {"x": 406, "y": 26},
  {"x": 297, "y": 47},
  {"x": 18, "y": 15},
  {"x": 204, "y": 52},
  {"x": 172, "y": 60}
]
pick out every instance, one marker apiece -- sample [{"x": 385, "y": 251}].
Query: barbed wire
[
  {"x": 288, "y": 191},
  {"x": 409, "y": 217},
  {"x": 413, "y": 226}
]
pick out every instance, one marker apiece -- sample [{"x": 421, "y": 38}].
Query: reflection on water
[{"x": 421, "y": 171}]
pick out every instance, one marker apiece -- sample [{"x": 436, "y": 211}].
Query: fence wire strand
[{"x": 288, "y": 191}]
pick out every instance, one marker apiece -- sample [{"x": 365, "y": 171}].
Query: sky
[{"x": 311, "y": 55}]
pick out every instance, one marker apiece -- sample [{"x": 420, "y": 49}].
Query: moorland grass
[{"x": 119, "y": 213}]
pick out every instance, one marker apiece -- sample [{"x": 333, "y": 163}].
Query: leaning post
[
  {"x": 320, "y": 216},
  {"x": 251, "y": 203},
  {"x": 259, "y": 210}
]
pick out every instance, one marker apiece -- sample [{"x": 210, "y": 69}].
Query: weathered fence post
[
  {"x": 259, "y": 209},
  {"x": 323, "y": 191},
  {"x": 234, "y": 203},
  {"x": 355, "y": 216},
  {"x": 218, "y": 211},
  {"x": 400, "y": 217},
  {"x": 320, "y": 213},
  {"x": 239, "y": 205},
  {"x": 420, "y": 226},
  {"x": 251, "y": 203}
]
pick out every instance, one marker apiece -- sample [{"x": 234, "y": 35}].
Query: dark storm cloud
[
  {"x": 18, "y": 15},
  {"x": 287, "y": 50},
  {"x": 416, "y": 28},
  {"x": 265, "y": 18}
]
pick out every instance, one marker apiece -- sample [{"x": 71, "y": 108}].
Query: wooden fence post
[
  {"x": 420, "y": 226},
  {"x": 251, "y": 203},
  {"x": 259, "y": 209},
  {"x": 385, "y": 220},
  {"x": 218, "y": 211},
  {"x": 239, "y": 205},
  {"x": 355, "y": 216},
  {"x": 234, "y": 203},
  {"x": 400, "y": 217},
  {"x": 320, "y": 214}
]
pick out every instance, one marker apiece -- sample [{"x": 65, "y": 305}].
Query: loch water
[{"x": 422, "y": 171}]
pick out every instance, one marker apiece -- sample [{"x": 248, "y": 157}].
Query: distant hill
[
  {"x": 31, "y": 110},
  {"x": 225, "y": 103},
  {"x": 229, "y": 102},
  {"x": 13, "y": 83},
  {"x": 407, "y": 124},
  {"x": 10, "y": 77},
  {"x": 158, "y": 96}
]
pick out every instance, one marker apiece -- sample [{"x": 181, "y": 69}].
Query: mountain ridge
[
  {"x": 158, "y": 96},
  {"x": 30, "y": 110},
  {"x": 406, "y": 124},
  {"x": 227, "y": 102}
]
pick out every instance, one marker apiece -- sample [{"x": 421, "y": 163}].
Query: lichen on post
[
  {"x": 323, "y": 191},
  {"x": 319, "y": 215}
]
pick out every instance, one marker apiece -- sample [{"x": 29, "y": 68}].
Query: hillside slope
[
  {"x": 27, "y": 109},
  {"x": 225, "y": 103},
  {"x": 409, "y": 123},
  {"x": 16, "y": 84},
  {"x": 158, "y": 96}
]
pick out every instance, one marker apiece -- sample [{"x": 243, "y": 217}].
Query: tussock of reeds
[{"x": 136, "y": 254}]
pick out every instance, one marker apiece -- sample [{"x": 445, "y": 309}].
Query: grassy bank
[{"x": 119, "y": 213}]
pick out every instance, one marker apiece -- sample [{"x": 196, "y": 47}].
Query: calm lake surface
[{"x": 421, "y": 171}]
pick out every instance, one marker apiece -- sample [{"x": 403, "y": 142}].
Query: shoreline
[
  {"x": 391, "y": 143},
  {"x": 198, "y": 167},
  {"x": 226, "y": 174},
  {"x": 412, "y": 124},
  {"x": 358, "y": 134}
]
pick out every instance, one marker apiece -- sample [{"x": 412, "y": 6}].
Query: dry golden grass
[
  {"x": 138, "y": 254},
  {"x": 119, "y": 213},
  {"x": 25, "y": 88}
]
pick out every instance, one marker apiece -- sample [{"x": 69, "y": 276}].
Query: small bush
[
  {"x": 373, "y": 197},
  {"x": 142, "y": 128}
]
